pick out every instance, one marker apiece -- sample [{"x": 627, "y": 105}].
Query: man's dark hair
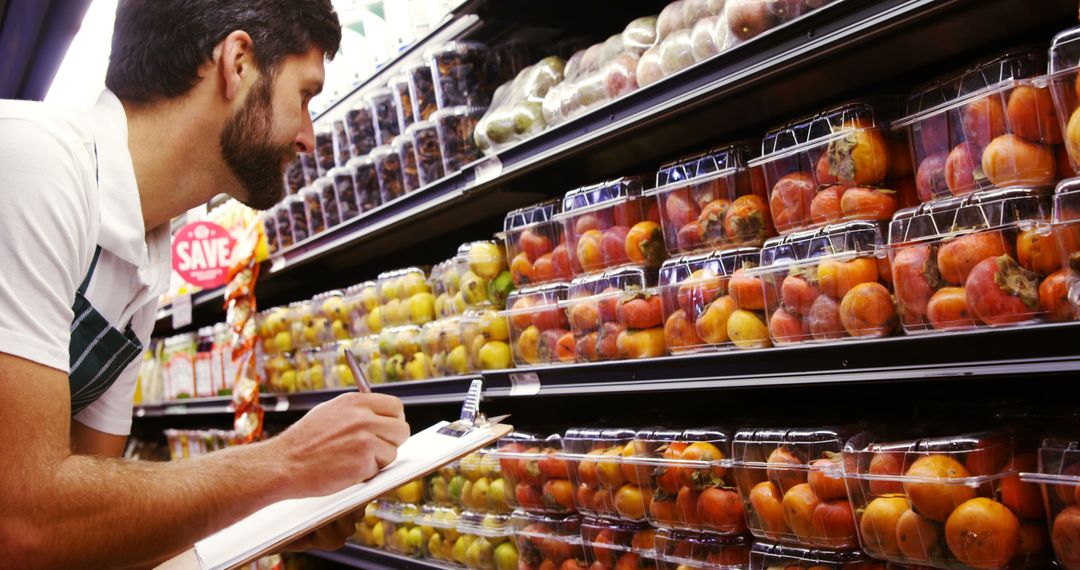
[{"x": 158, "y": 46}]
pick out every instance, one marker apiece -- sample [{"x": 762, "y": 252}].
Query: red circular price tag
[{"x": 201, "y": 253}]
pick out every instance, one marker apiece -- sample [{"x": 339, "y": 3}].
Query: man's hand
[{"x": 342, "y": 442}]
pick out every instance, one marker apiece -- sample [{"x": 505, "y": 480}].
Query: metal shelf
[
  {"x": 207, "y": 307},
  {"x": 355, "y": 556}
]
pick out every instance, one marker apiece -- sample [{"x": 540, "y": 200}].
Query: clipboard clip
[{"x": 471, "y": 417}]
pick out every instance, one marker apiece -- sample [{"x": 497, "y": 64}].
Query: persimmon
[
  {"x": 560, "y": 262},
  {"x": 864, "y": 203},
  {"x": 521, "y": 269},
  {"x": 1011, "y": 160},
  {"x": 824, "y": 319},
  {"x": 834, "y": 524},
  {"x": 877, "y": 525},
  {"x": 613, "y": 245},
  {"x": 747, "y": 221},
  {"x": 688, "y": 237},
  {"x": 983, "y": 533},
  {"x": 711, "y": 220},
  {"x": 1037, "y": 250},
  {"x": 589, "y": 255},
  {"x": 748, "y": 292},
  {"x": 1064, "y": 164},
  {"x": 999, "y": 291},
  {"x": 783, "y": 468},
  {"x": 686, "y": 506},
  {"x": 585, "y": 315},
  {"x": 789, "y": 201},
  {"x": 785, "y": 327},
  {"x": 680, "y": 209},
  {"x": 721, "y": 510},
  {"x": 520, "y": 313},
  {"x": 1023, "y": 499},
  {"x": 886, "y": 463},
  {"x": 667, "y": 476},
  {"x": 916, "y": 278},
  {"x": 960, "y": 167},
  {"x": 825, "y": 486},
  {"x": 645, "y": 244},
  {"x": 705, "y": 452},
  {"x": 1031, "y": 114},
  {"x": 543, "y": 270},
  {"x": 767, "y": 502},
  {"x": 958, "y": 256},
  {"x": 641, "y": 311},
  {"x": 638, "y": 474},
  {"x": 825, "y": 207},
  {"x": 983, "y": 120},
  {"x": 630, "y": 502},
  {"x": 936, "y": 500},
  {"x": 608, "y": 470},
  {"x": 663, "y": 511},
  {"x": 797, "y": 293},
  {"x": 559, "y": 493},
  {"x": 948, "y": 309},
  {"x": 867, "y": 310},
  {"x": 679, "y": 332},
  {"x": 930, "y": 181},
  {"x": 1033, "y": 538},
  {"x": 836, "y": 278},
  {"x": 821, "y": 171},
  {"x": 860, "y": 157},
  {"x": 799, "y": 504},
  {"x": 711, "y": 326},
  {"x": 698, "y": 290},
  {"x": 1054, "y": 297},
  {"x": 1065, "y": 537},
  {"x": 585, "y": 347}
]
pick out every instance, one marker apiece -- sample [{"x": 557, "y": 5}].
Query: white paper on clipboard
[{"x": 275, "y": 526}]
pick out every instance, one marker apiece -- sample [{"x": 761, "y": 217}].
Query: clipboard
[{"x": 268, "y": 530}]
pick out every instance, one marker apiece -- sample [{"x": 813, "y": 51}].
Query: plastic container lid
[
  {"x": 767, "y": 555},
  {"x": 565, "y": 528},
  {"x": 1064, "y": 53},
  {"x": 715, "y": 162},
  {"x": 383, "y": 152},
  {"x": 702, "y": 551},
  {"x": 529, "y": 216},
  {"x": 838, "y": 240},
  {"x": 860, "y": 449},
  {"x": 627, "y": 278},
  {"x": 455, "y": 47},
  {"x": 832, "y": 124},
  {"x": 480, "y": 524},
  {"x": 986, "y": 210},
  {"x": 395, "y": 511},
  {"x": 600, "y": 195},
  {"x": 806, "y": 444},
  {"x": 438, "y": 517},
  {"x": 1067, "y": 201}
]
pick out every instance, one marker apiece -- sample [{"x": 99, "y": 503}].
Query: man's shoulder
[{"x": 64, "y": 125}]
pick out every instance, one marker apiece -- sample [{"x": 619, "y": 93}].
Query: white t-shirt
[{"x": 53, "y": 214}]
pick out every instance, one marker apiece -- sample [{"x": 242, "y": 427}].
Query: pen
[{"x": 361, "y": 382}]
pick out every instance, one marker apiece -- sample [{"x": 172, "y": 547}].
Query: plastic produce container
[
  {"x": 486, "y": 336},
  {"x": 1059, "y": 476},
  {"x": 273, "y": 328},
  {"x": 401, "y": 534},
  {"x": 441, "y": 340},
  {"x": 711, "y": 303},
  {"x": 713, "y": 201},
  {"x": 270, "y": 230},
  {"x": 334, "y": 309},
  {"x": 361, "y": 129},
  {"x": 425, "y": 142},
  {"x": 844, "y": 163},
  {"x": 792, "y": 486},
  {"x": 1059, "y": 293},
  {"x": 443, "y": 487},
  {"x": 403, "y": 107},
  {"x": 461, "y": 74},
  {"x": 612, "y": 545},
  {"x": 362, "y": 302},
  {"x": 455, "y": 127},
  {"x": 439, "y": 535},
  {"x": 767, "y": 556},
  {"x": 298, "y": 214},
  {"x": 312, "y": 197},
  {"x": 406, "y": 297},
  {"x": 597, "y": 475},
  {"x": 516, "y": 111},
  {"x": 600, "y": 73},
  {"x": 342, "y": 147},
  {"x": 688, "y": 476},
  {"x": 399, "y": 348},
  {"x": 535, "y": 245},
  {"x": 328, "y": 201},
  {"x": 615, "y": 315},
  {"x": 483, "y": 277},
  {"x": 388, "y": 172},
  {"x": 309, "y": 167},
  {"x": 484, "y": 489},
  {"x": 283, "y": 218},
  {"x": 380, "y": 104},
  {"x": 403, "y": 146},
  {"x": 974, "y": 260},
  {"x": 369, "y": 531},
  {"x": 539, "y": 330},
  {"x": 683, "y": 550},
  {"x": 366, "y": 182},
  {"x": 537, "y": 477},
  {"x": 421, "y": 90},
  {"x": 348, "y": 201},
  {"x": 445, "y": 282},
  {"x": 548, "y": 541},
  {"x": 611, "y": 224},
  {"x": 371, "y": 360},
  {"x": 294, "y": 176},
  {"x": 324, "y": 149},
  {"x": 950, "y": 502},
  {"x": 991, "y": 125},
  {"x": 828, "y": 284},
  {"x": 488, "y": 540}
]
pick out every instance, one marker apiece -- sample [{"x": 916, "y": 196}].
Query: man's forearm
[{"x": 103, "y": 512}]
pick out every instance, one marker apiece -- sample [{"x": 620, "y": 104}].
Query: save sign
[{"x": 201, "y": 252}]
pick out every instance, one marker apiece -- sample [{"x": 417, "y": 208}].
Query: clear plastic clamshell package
[
  {"x": 539, "y": 330},
  {"x": 711, "y": 302},
  {"x": 486, "y": 336},
  {"x": 348, "y": 201},
  {"x": 342, "y": 148},
  {"x": 603, "y": 487},
  {"x": 294, "y": 176},
  {"x": 455, "y": 126},
  {"x": 362, "y": 302},
  {"x": 380, "y": 104},
  {"x": 388, "y": 172},
  {"x": 399, "y": 348},
  {"x": 361, "y": 130},
  {"x": 270, "y": 230},
  {"x": 313, "y": 206},
  {"x": 484, "y": 489},
  {"x": 401, "y": 534},
  {"x": 685, "y": 550},
  {"x": 792, "y": 485},
  {"x": 535, "y": 245},
  {"x": 949, "y": 502},
  {"x": 1059, "y": 293},
  {"x": 406, "y": 297},
  {"x": 976, "y": 260},
  {"x": 488, "y": 540},
  {"x": 283, "y": 217},
  {"x": 483, "y": 277},
  {"x": 425, "y": 143},
  {"x": 421, "y": 90},
  {"x": 686, "y": 479},
  {"x": 443, "y": 487},
  {"x": 445, "y": 283},
  {"x": 403, "y": 107},
  {"x": 844, "y": 163},
  {"x": 309, "y": 167},
  {"x": 403, "y": 146},
  {"x": 439, "y": 535},
  {"x": 296, "y": 207},
  {"x": 369, "y": 531},
  {"x": 328, "y": 200},
  {"x": 828, "y": 284},
  {"x": 372, "y": 363},
  {"x": 537, "y": 476},
  {"x": 516, "y": 111},
  {"x": 548, "y": 541},
  {"x": 461, "y": 74},
  {"x": 713, "y": 201},
  {"x": 366, "y": 182},
  {"x": 613, "y": 544},
  {"x": 611, "y": 224},
  {"x": 333, "y": 308},
  {"x": 772, "y": 556},
  {"x": 615, "y": 314},
  {"x": 442, "y": 341},
  {"x": 991, "y": 125},
  {"x": 324, "y": 150},
  {"x": 1059, "y": 477}
]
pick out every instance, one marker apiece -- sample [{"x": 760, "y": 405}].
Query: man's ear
[{"x": 236, "y": 62}]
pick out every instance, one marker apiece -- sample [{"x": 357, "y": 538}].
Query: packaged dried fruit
[
  {"x": 342, "y": 146},
  {"x": 298, "y": 214},
  {"x": 388, "y": 172},
  {"x": 284, "y": 223},
  {"x": 455, "y": 127},
  {"x": 684, "y": 550},
  {"x": 768, "y": 556},
  {"x": 792, "y": 486},
  {"x": 1059, "y": 476},
  {"x": 1059, "y": 293},
  {"x": 539, "y": 330},
  {"x": 438, "y": 528},
  {"x": 828, "y": 284},
  {"x": 429, "y": 161},
  {"x": 380, "y": 104},
  {"x": 711, "y": 302},
  {"x": 309, "y": 167},
  {"x": 547, "y": 541},
  {"x": 486, "y": 336},
  {"x": 601, "y": 488},
  {"x": 421, "y": 90},
  {"x": 615, "y": 314},
  {"x": 324, "y": 150},
  {"x": 611, "y": 545},
  {"x": 935, "y": 501},
  {"x": 461, "y": 74},
  {"x": 348, "y": 201},
  {"x": 537, "y": 477},
  {"x": 490, "y": 542},
  {"x": 535, "y": 245},
  {"x": 712, "y": 201},
  {"x": 361, "y": 130},
  {"x": 270, "y": 231},
  {"x": 844, "y": 163},
  {"x": 366, "y": 182},
  {"x": 403, "y": 146},
  {"x": 610, "y": 224},
  {"x": 312, "y": 199},
  {"x": 294, "y": 176},
  {"x": 328, "y": 201},
  {"x": 403, "y": 106},
  {"x": 516, "y": 108},
  {"x": 686, "y": 479},
  {"x": 975, "y": 260}
]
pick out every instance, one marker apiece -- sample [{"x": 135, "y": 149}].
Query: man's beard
[{"x": 247, "y": 149}]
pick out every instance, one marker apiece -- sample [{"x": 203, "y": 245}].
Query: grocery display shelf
[
  {"x": 207, "y": 307},
  {"x": 355, "y": 556}
]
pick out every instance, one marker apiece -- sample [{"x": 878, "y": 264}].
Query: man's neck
[{"x": 175, "y": 169}]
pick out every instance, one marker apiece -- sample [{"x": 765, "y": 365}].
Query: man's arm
[
  {"x": 64, "y": 510},
  {"x": 89, "y": 441}
]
